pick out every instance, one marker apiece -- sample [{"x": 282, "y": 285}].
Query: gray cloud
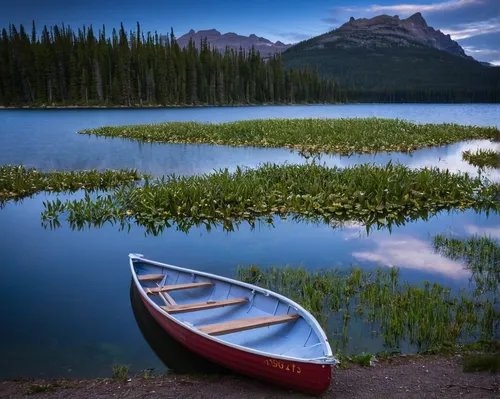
[
  {"x": 293, "y": 36},
  {"x": 447, "y": 12},
  {"x": 331, "y": 20},
  {"x": 490, "y": 40},
  {"x": 484, "y": 54}
]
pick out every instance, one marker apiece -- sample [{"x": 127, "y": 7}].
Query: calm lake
[{"x": 67, "y": 306}]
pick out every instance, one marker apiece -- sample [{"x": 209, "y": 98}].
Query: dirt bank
[{"x": 415, "y": 377}]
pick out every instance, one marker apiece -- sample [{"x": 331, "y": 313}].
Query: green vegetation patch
[
  {"x": 482, "y": 362},
  {"x": 482, "y": 158},
  {"x": 428, "y": 317},
  {"x": 344, "y": 136},
  {"x": 17, "y": 181},
  {"x": 49, "y": 387},
  {"x": 372, "y": 195},
  {"x": 120, "y": 371}
]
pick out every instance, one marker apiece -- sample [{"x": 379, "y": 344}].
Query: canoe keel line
[{"x": 240, "y": 326}]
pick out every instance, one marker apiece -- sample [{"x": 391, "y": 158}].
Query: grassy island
[
  {"x": 344, "y": 136},
  {"x": 380, "y": 195},
  {"x": 17, "y": 181}
]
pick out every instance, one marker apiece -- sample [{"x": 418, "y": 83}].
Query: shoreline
[
  {"x": 242, "y": 105},
  {"x": 171, "y": 106},
  {"x": 418, "y": 376}
]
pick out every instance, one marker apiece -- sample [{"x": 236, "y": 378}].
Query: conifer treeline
[{"x": 65, "y": 67}]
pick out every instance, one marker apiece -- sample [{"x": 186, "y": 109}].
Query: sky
[{"x": 474, "y": 24}]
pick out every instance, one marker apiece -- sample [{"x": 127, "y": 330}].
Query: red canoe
[{"x": 243, "y": 327}]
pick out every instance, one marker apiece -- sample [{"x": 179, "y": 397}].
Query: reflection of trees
[{"x": 116, "y": 209}]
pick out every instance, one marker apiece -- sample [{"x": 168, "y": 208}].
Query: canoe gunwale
[{"x": 327, "y": 359}]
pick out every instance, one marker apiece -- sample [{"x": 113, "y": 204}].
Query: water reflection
[
  {"x": 49, "y": 139},
  {"x": 175, "y": 356},
  {"x": 413, "y": 253}
]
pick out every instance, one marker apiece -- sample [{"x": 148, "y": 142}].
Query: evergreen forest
[{"x": 61, "y": 66}]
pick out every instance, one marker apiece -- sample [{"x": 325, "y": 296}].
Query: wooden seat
[
  {"x": 232, "y": 326},
  {"x": 192, "y": 307},
  {"x": 150, "y": 277},
  {"x": 176, "y": 287}
]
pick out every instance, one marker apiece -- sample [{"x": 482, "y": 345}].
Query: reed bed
[
  {"x": 344, "y": 136},
  {"x": 482, "y": 158},
  {"x": 425, "y": 318},
  {"x": 373, "y": 195},
  {"x": 17, "y": 181}
]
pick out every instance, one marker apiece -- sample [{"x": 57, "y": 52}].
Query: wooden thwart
[
  {"x": 150, "y": 277},
  {"x": 232, "y": 326},
  {"x": 177, "y": 287},
  {"x": 192, "y": 307},
  {"x": 168, "y": 298}
]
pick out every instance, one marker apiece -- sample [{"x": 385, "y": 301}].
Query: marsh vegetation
[
  {"x": 424, "y": 317},
  {"x": 344, "y": 136},
  {"x": 18, "y": 181},
  {"x": 370, "y": 194}
]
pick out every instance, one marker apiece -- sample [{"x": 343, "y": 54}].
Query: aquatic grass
[
  {"x": 428, "y": 317},
  {"x": 482, "y": 158},
  {"x": 363, "y": 359},
  {"x": 309, "y": 135},
  {"x": 373, "y": 195},
  {"x": 17, "y": 181},
  {"x": 120, "y": 371}
]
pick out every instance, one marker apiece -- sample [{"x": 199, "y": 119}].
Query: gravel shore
[{"x": 400, "y": 377}]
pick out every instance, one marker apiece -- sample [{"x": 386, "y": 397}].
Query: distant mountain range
[
  {"x": 382, "y": 55},
  {"x": 233, "y": 40}
]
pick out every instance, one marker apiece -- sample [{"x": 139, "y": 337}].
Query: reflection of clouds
[
  {"x": 454, "y": 163},
  {"x": 411, "y": 253},
  {"x": 353, "y": 230},
  {"x": 493, "y": 232}
]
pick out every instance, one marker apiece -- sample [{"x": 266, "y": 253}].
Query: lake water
[{"x": 68, "y": 310}]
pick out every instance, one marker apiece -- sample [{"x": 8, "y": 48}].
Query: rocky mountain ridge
[
  {"x": 386, "y": 31},
  {"x": 233, "y": 40}
]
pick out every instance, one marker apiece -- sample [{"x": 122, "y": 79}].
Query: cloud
[
  {"x": 331, "y": 20},
  {"x": 483, "y": 54},
  {"x": 463, "y": 17},
  {"x": 293, "y": 37},
  {"x": 493, "y": 232},
  {"x": 465, "y": 31},
  {"x": 495, "y": 62},
  {"x": 454, "y": 10},
  {"x": 412, "y": 253}
]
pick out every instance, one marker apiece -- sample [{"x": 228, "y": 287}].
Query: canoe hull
[{"x": 307, "y": 377}]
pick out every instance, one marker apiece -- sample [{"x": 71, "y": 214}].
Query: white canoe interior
[{"x": 234, "y": 312}]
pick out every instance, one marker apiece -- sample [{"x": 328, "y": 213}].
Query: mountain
[
  {"x": 233, "y": 40},
  {"x": 384, "y": 30},
  {"x": 387, "y": 54}
]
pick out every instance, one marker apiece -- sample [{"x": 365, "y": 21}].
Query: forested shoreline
[
  {"x": 59, "y": 67},
  {"x": 62, "y": 67}
]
